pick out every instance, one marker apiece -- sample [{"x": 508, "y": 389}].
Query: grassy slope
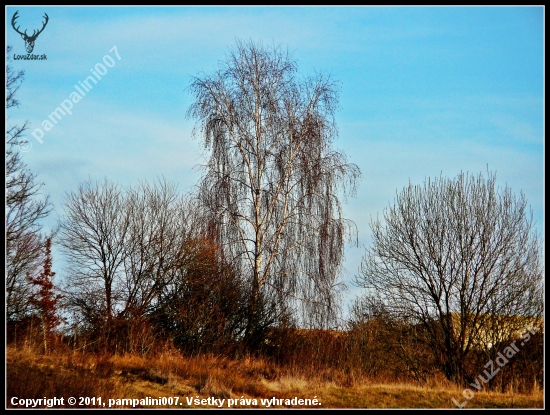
[{"x": 72, "y": 374}]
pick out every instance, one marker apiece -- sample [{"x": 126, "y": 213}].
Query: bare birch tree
[
  {"x": 272, "y": 182},
  {"x": 460, "y": 258}
]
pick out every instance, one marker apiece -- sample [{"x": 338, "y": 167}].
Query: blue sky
[{"x": 424, "y": 92}]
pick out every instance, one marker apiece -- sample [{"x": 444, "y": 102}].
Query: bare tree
[
  {"x": 130, "y": 250},
  {"x": 461, "y": 259},
  {"x": 93, "y": 237},
  {"x": 24, "y": 209},
  {"x": 272, "y": 182},
  {"x": 162, "y": 224}
]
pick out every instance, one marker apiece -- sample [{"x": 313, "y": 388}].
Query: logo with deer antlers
[{"x": 29, "y": 40}]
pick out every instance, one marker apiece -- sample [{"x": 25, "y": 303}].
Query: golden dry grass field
[{"x": 249, "y": 383}]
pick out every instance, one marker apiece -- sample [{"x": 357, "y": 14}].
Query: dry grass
[
  {"x": 67, "y": 373},
  {"x": 411, "y": 396}
]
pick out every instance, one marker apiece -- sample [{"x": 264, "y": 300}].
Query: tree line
[{"x": 252, "y": 261}]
